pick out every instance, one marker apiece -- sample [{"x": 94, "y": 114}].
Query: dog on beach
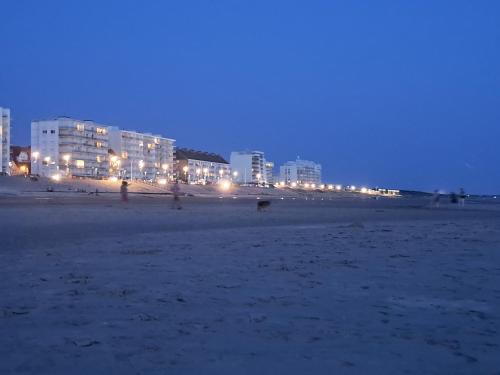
[{"x": 262, "y": 205}]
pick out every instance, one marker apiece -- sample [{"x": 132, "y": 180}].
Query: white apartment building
[
  {"x": 248, "y": 167},
  {"x": 301, "y": 172},
  {"x": 198, "y": 167},
  {"x": 269, "y": 165},
  {"x": 141, "y": 155},
  {"x": 66, "y": 146},
  {"x": 5, "y": 137}
]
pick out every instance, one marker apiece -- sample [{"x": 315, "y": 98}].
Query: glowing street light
[
  {"x": 294, "y": 184},
  {"x": 66, "y": 159},
  {"x": 364, "y": 190},
  {"x": 225, "y": 185},
  {"x": 338, "y": 187}
]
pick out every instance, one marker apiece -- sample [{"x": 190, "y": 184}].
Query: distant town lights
[
  {"x": 338, "y": 187},
  {"x": 56, "y": 177},
  {"x": 364, "y": 190}
]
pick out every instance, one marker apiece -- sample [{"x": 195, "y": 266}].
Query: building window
[
  {"x": 141, "y": 144},
  {"x": 80, "y": 127},
  {"x": 80, "y": 163},
  {"x": 98, "y": 158},
  {"x": 52, "y": 132},
  {"x": 44, "y": 131},
  {"x": 98, "y": 144},
  {"x": 124, "y": 155},
  {"x": 100, "y": 131}
]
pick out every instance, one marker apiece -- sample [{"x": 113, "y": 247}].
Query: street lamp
[
  {"x": 141, "y": 166},
  {"x": 205, "y": 172},
  {"x": 66, "y": 159},
  {"x": 35, "y": 156},
  {"x": 185, "y": 170}
]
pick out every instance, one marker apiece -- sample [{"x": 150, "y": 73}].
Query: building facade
[
  {"x": 66, "y": 146},
  {"x": 249, "y": 167},
  {"x": 301, "y": 172},
  {"x": 140, "y": 155},
  {"x": 5, "y": 137},
  {"x": 269, "y": 165},
  {"x": 200, "y": 167}
]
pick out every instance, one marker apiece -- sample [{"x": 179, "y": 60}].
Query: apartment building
[
  {"x": 248, "y": 167},
  {"x": 66, "y": 146},
  {"x": 5, "y": 137},
  {"x": 200, "y": 167},
  {"x": 269, "y": 165},
  {"x": 301, "y": 172},
  {"x": 141, "y": 155}
]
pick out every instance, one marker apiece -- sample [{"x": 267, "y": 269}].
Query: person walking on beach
[
  {"x": 124, "y": 191},
  {"x": 176, "y": 202},
  {"x": 435, "y": 198},
  {"x": 461, "y": 197}
]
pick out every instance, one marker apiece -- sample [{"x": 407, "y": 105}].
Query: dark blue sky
[{"x": 390, "y": 93}]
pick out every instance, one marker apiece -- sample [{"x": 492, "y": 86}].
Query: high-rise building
[
  {"x": 301, "y": 172},
  {"x": 269, "y": 165},
  {"x": 140, "y": 155},
  {"x": 66, "y": 146},
  {"x": 200, "y": 167},
  {"x": 248, "y": 167},
  {"x": 5, "y": 137}
]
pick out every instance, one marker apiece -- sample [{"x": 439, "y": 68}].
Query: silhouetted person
[
  {"x": 462, "y": 196},
  {"x": 124, "y": 191},
  {"x": 435, "y": 198},
  {"x": 453, "y": 197},
  {"x": 176, "y": 201}
]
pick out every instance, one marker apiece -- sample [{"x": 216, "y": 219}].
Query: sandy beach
[{"x": 347, "y": 286}]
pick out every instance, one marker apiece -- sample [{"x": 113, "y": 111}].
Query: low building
[
  {"x": 200, "y": 167},
  {"x": 140, "y": 155},
  {"x": 300, "y": 172},
  {"x": 5, "y": 138},
  {"x": 20, "y": 157},
  {"x": 249, "y": 167},
  {"x": 67, "y": 146}
]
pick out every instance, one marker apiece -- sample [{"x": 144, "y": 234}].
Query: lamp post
[
  {"x": 141, "y": 166},
  {"x": 35, "y": 156},
  {"x": 198, "y": 172},
  {"x": 47, "y": 163},
  {"x": 66, "y": 159},
  {"x": 205, "y": 172}
]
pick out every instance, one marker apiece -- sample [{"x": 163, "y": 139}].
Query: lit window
[
  {"x": 124, "y": 155},
  {"x": 98, "y": 158},
  {"x": 80, "y": 127},
  {"x": 100, "y": 131},
  {"x": 98, "y": 144},
  {"x": 141, "y": 144},
  {"x": 80, "y": 163}
]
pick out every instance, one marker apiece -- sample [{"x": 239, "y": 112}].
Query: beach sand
[{"x": 90, "y": 285}]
